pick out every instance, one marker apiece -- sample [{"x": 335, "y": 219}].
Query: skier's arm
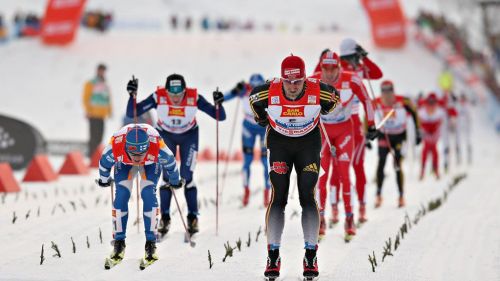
[
  {"x": 209, "y": 109},
  {"x": 169, "y": 166},
  {"x": 258, "y": 103},
  {"x": 410, "y": 108},
  {"x": 371, "y": 70},
  {"x": 329, "y": 98},
  {"x": 143, "y": 106},
  {"x": 238, "y": 91},
  {"x": 106, "y": 163},
  {"x": 360, "y": 91}
]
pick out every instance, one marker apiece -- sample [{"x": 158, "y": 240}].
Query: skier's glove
[
  {"x": 104, "y": 182},
  {"x": 179, "y": 185},
  {"x": 132, "y": 86},
  {"x": 262, "y": 121},
  {"x": 418, "y": 138},
  {"x": 240, "y": 86},
  {"x": 372, "y": 133},
  {"x": 218, "y": 97},
  {"x": 368, "y": 144},
  {"x": 361, "y": 52}
]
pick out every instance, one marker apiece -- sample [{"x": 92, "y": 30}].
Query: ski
[
  {"x": 145, "y": 263},
  {"x": 111, "y": 262}
]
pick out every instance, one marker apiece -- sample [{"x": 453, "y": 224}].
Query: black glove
[
  {"x": 418, "y": 138},
  {"x": 368, "y": 144},
  {"x": 262, "y": 122},
  {"x": 104, "y": 183},
  {"x": 372, "y": 133},
  {"x": 132, "y": 86},
  {"x": 218, "y": 97},
  {"x": 167, "y": 185},
  {"x": 361, "y": 52}
]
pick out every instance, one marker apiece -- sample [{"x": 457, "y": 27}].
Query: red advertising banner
[
  {"x": 388, "y": 23},
  {"x": 61, "y": 21}
]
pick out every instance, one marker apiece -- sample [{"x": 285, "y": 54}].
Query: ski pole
[
  {"x": 231, "y": 138},
  {"x": 217, "y": 167},
  {"x": 137, "y": 176},
  {"x": 188, "y": 236}
]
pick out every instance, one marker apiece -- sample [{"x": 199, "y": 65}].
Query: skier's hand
[
  {"x": 361, "y": 52},
  {"x": 240, "y": 86},
  {"x": 104, "y": 182},
  {"x": 418, "y": 138},
  {"x": 132, "y": 86},
  {"x": 262, "y": 121},
  {"x": 179, "y": 185},
  {"x": 218, "y": 97},
  {"x": 368, "y": 144},
  {"x": 372, "y": 133}
]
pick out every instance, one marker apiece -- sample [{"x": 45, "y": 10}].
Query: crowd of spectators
[
  {"x": 458, "y": 38},
  {"x": 97, "y": 20}
]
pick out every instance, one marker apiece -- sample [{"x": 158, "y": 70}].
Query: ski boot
[
  {"x": 117, "y": 255},
  {"x": 401, "y": 202},
  {"x": 150, "y": 251},
  {"x": 349, "y": 227},
  {"x": 266, "y": 197},
  {"x": 335, "y": 215},
  {"x": 118, "y": 249},
  {"x": 273, "y": 264},
  {"x": 310, "y": 264},
  {"x": 246, "y": 196},
  {"x": 378, "y": 201},
  {"x": 362, "y": 213},
  {"x": 164, "y": 225},
  {"x": 192, "y": 221}
]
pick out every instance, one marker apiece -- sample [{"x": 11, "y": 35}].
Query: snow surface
[{"x": 43, "y": 86}]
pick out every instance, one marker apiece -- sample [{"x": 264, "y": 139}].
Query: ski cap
[
  {"x": 137, "y": 140},
  {"x": 330, "y": 59},
  {"x": 256, "y": 80},
  {"x": 175, "y": 84},
  {"x": 387, "y": 86},
  {"x": 348, "y": 47},
  {"x": 432, "y": 98},
  {"x": 293, "y": 67}
]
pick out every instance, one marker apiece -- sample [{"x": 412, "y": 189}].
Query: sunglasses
[
  {"x": 293, "y": 81},
  {"x": 387, "y": 90},
  {"x": 137, "y": 153}
]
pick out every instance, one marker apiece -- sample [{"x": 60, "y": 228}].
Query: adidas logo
[{"x": 311, "y": 168}]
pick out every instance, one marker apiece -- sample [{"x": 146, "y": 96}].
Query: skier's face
[
  {"x": 329, "y": 74},
  {"x": 293, "y": 87},
  {"x": 137, "y": 158},
  {"x": 176, "y": 98}
]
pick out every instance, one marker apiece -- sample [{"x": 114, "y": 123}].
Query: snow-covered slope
[{"x": 459, "y": 241}]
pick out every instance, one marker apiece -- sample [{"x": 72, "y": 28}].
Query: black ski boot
[
  {"x": 310, "y": 264},
  {"x": 192, "y": 221},
  {"x": 118, "y": 250},
  {"x": 164, "y": 225},
  {"x": 273, "y": 264},
  {"x": 150, "y": 249}
]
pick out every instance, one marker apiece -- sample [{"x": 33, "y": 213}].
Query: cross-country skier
[
  {"x": 290, "y": 107},
  {"x": 339, "y": 128},
  {"x": 431, "y": 117},
  {"x": 251, "y": 130},
  {"x": 393, "y": 135},
  {"x": 136, "y": 150},
  {"x": 177, "y": 106},
  {"x": 353, "y": 57}
]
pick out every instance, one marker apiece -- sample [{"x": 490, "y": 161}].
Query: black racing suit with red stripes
[{"x": 284, "y": 153}]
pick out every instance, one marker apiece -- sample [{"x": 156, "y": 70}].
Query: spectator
[
  {"x": 97, "y": 103},
  {"x": 3, "y": 30}
]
